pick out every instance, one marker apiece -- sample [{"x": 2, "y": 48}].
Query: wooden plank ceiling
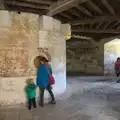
[{"x": 91, "y": 18}]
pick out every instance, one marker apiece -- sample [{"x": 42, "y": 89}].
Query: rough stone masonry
[{"x": 21, "y": 35}]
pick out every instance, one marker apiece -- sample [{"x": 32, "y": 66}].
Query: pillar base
[{"x": 12, "y": 89}]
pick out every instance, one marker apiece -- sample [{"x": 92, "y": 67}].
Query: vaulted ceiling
[{"x": 92, "y": 18}]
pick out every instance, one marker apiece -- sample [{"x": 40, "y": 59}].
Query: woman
[
  {"x": 43, "y": 80},
  {"x": 117, "y": 68}
]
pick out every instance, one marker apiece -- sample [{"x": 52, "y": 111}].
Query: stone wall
[
  {"x": 83, "y": 57},
  {"x": 90, "y": 57},
  {"x": 18, "y": 49}
]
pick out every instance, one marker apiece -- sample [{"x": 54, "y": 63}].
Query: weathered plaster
[{"x": 19, "y": 49}]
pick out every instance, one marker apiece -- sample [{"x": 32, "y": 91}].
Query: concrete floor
[{"x": 84, "y": 100}]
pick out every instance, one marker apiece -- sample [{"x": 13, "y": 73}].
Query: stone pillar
[
  {"x": 52, "y": 42},
  {"x": 19, "y": 48}
]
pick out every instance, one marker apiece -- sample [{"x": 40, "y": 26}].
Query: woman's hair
[
  {"x": 118, "y": 59},
  {"x": 39, "y": 57},
  {"x": 44, "y": 59}
]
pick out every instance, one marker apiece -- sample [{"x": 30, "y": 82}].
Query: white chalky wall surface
[
  {"x": 18, "y": 49},
  {"x": 112, "y": 52}
]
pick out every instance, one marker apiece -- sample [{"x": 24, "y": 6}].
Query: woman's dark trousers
[
  {"x": 42, "y": 90},
  {"x": 118, "y": 74}
]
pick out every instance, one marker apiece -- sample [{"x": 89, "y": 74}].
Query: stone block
[
  {"x": 4, "y": 19},
  {"x": 43, "y": 38},
  {"x": 66, "y": 30},
  {"x": 33, "y": 17},
  {"x": 46, "y": 23},
  {"x": 56, "y": 25},
  {"x": 5, "y": 23},
  {"x": 4, "y": 32}
]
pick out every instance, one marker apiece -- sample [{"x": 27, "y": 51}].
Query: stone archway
[
  {"x": 105, "y": 46},
  {"x": 111, "y": 53}
]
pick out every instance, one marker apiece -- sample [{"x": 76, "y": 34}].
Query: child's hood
[{"x": 32, "y": 86}]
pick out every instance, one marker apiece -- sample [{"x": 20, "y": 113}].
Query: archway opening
[{"x": 111, "y": 53}]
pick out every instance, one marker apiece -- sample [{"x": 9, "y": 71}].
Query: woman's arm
[{"x": 50, "y": 70}]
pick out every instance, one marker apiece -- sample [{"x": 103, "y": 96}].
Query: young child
[{"x": 31, "y": 93}]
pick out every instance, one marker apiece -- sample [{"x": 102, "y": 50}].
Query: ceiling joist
[
  {"x": 99, "y": 25},
  {"x": 25, "y": 9},
  {"x": 84, "y": 10},
  {"x": 96, "y": 19},
  {"x": 28, "y": 5},
  {"x": 63, "y": 6},
  {"x": 107, "y": 25},
  {"x": 95, "y": 7},
  {"x": 36, "y": 1},
  {"x": 65, "y": 15},
  {"x": 118, "y": 28},
  {"x": 88, "y": 30},
  {"x": 115, "y": 24},
  {"x": 91, "y": 25},
  {"x": 74, "y": 13},
  {"x": 108, "y": 6}
]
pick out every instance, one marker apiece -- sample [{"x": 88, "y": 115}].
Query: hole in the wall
[{"x": 19, "y": 12}]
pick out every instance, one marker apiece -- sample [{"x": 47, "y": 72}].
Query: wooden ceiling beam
[
  {"x": 18, "y": 3},
  {"x": 88, "y": 30},
  {"x": 66, "y": 16},
  {"x": 98, "y": 36},
  {"x": 25, "y": 9},
  {"x": 63, "y": 6},
  {"x": 107, "y": 25},
  {"x": 73, "y": 12},
  {"x": 84, "y": 10},
  {"x": 118, "y": 28},
  {"x": 96, "y": 19},
  {"x": 91, "y": 25},
  {"x": 91, "y": 34},
  {"x": 47, "y": 2},
  {"x": 82, "y": 25},
  {"x": 99, "y": 25},
  {"x": 108, "y": 6},
  {"x": 115, "y": 24},
  {"x": 95, "y": 7}
]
